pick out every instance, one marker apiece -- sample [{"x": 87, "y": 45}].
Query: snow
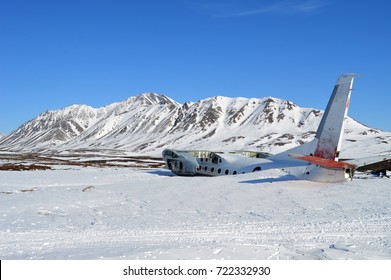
[{"x": 122, "y": 213}]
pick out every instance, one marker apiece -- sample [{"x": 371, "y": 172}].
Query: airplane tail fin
[
  {"x": 328, "y": 138},
  {"x": 330, "y": 130}
]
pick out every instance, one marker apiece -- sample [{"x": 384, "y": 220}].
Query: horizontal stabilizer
[
  {"x": 326, "y": 163},
  {"x": 372, "y": 163}
]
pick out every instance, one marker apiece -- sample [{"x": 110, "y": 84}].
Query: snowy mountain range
[{"x": 148, "y": 123}]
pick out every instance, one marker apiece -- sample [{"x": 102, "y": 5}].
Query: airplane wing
[
  {"x": 323, "y": 162},
  {"x": 371, "y": 163}
]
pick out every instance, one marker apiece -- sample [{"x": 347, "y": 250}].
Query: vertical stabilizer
[{"x": 330, "y": 129}]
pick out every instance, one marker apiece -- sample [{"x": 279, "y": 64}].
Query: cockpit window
[{"x": 169, "y": 153}]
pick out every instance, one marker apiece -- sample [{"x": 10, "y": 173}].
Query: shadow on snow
[
  {"x": 270, "y": 180},
  {"x": 165, "y": 173}
]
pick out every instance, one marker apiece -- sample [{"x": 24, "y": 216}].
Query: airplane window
[
  {"x": 168, "y": 153},
  {"x": 226, "y": 172}
]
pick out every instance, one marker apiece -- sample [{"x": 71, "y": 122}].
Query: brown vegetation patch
[
  {"x": 33, "y": 161},
  {"x": 23, "y": 167}
]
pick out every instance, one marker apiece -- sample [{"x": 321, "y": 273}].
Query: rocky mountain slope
[{"x": 148, "y": 123}]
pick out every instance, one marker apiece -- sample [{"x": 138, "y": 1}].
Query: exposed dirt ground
[{"x": 34, "y": 161}]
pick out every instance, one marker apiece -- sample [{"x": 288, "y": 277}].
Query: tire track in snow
[{"x": 275, "y": 234}]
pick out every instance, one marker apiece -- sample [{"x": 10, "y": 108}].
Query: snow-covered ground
[{"x": 122, "y": 213}]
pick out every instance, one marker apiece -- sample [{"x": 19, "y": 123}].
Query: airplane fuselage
[
  {"x": 207, "y": 163},
  {"x": 191, "y": 163}
]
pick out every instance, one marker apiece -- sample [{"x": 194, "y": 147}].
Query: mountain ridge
[{"x": 149, "y": 122}]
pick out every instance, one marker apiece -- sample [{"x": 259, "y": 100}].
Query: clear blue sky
[{"x": 55, "y": 53}]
